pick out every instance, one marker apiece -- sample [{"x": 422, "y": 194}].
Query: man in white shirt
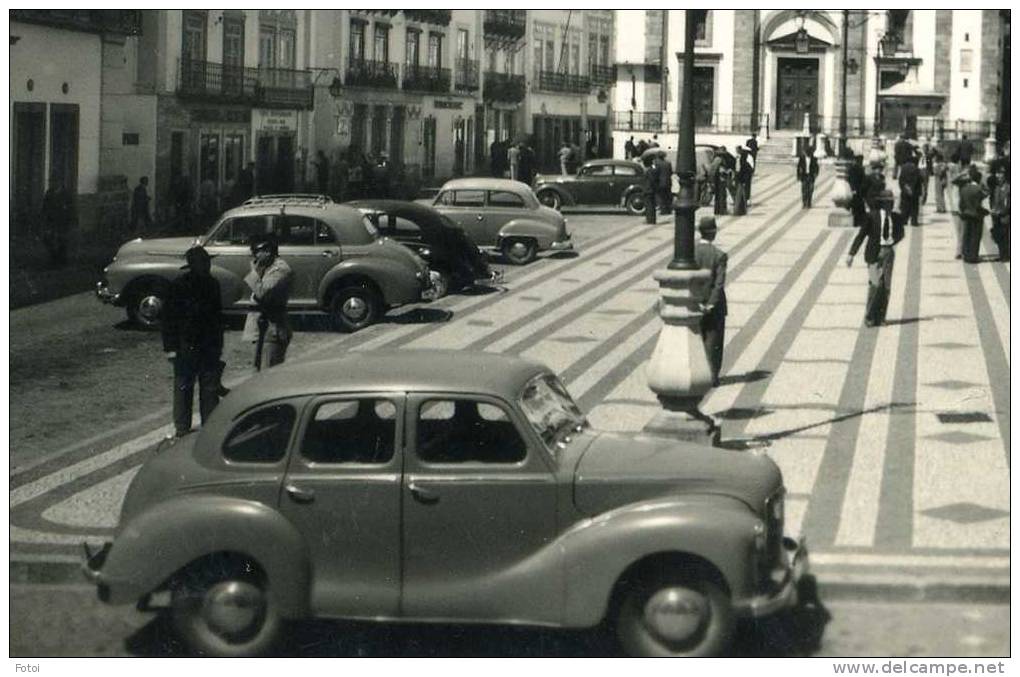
[{"x": 883, "y": 229}]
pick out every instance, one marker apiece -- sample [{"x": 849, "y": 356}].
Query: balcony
[
  {"x": 465, "y": 75},
  {"x": 369, "y": 73},
  {"x": 438, "y": 17},
  {"x": 426, "y": 79},
  {"x": 123, "y": 21},
  {"x": 551, "y": 81},
  {"x": 505, "y": 23},
  {"x": 207, "y": 80},
  {"x": 284, "y": 88},
  {"x": 504, "y": 87},
  {"x": 601, "y": 75}
]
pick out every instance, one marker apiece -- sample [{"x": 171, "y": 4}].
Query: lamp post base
[{"x": 682, "y": 420}]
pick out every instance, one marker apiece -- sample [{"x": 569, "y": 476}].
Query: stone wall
[
  {"x": 743, "y": 61},
  {"x": 943, "y": 54},
  {"x": 991, "y": 63}
]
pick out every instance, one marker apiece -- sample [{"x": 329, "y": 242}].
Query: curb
[{"x": 831, "y": 586}]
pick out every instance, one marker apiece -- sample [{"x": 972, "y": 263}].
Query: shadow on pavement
[
  {"x": 419, "y": 316},
  {"x": 792, "y": 634},
  {"x": 749, "y": 377},
  {"x": 907, "y": 320}
]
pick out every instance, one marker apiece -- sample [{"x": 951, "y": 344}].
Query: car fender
[
  {"x": 566, "y": 197},
  {"x": 395, "y": 281},
  {"x": 124, "y": 278},
  {"x": 628, "y": 191},
  {"x": 598, "y": 551},
  {"x": 162, "y": 540},
  {"x": 543, "y": 233}
]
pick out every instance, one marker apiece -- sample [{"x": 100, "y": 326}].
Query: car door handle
[
  {"x": 299, "y": 495},
  {"x": 328, "y": 254},
  {"x": 480, "y": 217},
  {"x": 423, "y": 495}
]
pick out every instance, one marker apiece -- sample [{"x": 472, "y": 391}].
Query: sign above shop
[
  {"x": 275, "y": 120},
  {"x": 455, "y": 104},
  {"x": 221, "y": 115}
]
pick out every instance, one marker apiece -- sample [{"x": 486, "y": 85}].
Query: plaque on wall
[{"x": 449, "y": 103}]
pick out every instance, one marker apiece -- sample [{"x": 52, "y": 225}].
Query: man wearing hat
[
  {"x": 972, "y": 214},
  {"x": 270, "y": 279},
  {"x": 882, "y": 228},
  {"x": 193, "y": 338},
  {"x": 807, "y": 172},
  {"x": 711, "y": 296}
]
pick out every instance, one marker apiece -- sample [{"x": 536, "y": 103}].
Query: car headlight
[
  {"x": 426, "y": 252},
  {"x": 759, "y": 536}
]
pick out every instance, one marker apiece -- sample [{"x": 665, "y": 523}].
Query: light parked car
[
  {"x": 341, "y": 265},
  {"x": 444, "y": 486},
  {"x": 597, "y": 182},
  {"x": 504, "y": 216}
]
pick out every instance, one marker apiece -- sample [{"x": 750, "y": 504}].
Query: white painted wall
[
  {"x": 924, "y": 47},
  {"x": 630, "y": 36},
  {"x": 50, "y": 57},
  {"x": 965, "y": 102}
]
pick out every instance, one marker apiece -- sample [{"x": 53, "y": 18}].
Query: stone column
[{"x": 388, "y": 133}]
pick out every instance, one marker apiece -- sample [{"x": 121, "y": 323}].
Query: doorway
[
  {"x": 29, "y": 163},
  {"x": 797, "y": 93},
  {"x": 274, "y": 163}
]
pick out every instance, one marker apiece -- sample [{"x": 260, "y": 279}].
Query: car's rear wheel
[
  {"x": 673, "y": 616},
  {"x": 225, "y": 611},
  {"x": 636, "y": 203},
  {"x": 550, "y": 198},
  {"x": 145, "y": 307},
  {"x": 355, "y": 307},
  {"x": 519, "y": 251}
]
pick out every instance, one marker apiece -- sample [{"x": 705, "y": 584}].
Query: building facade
[{"x": 924, "y": 72}]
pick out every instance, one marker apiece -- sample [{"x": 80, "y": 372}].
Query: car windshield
[{"x": 551, "y": 411}]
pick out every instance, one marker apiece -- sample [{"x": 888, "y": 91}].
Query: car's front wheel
[
  {"x": 353, "y": 308},
  {"x": 671, "y": 616},
  {"x": 145, "y": 307},
  {"x": 636, "y": 203},
  {"x": 519, "y": 251},
  {"x": 225, "y": 612},
  {"x": 550, "y": 198}
]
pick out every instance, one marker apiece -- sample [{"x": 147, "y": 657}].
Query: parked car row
[{"x": 351, "y": 261}]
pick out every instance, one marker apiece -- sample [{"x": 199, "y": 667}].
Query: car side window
[
  {"x": 294, "y": 230},
  {"x": 260, "y": 436},
  {"x": 600, "y": 170},
  {"x": 468, "y": 198},
  {"x": 405, "y": 227},
  {"x": 351, "y": 431},
  {"x": 624, "y": 170},
  {"x": 324, "y": 234},
  {"x": 240, "y": 230},
  {"x": 502, "y": 198},
  {"x": 467, "y": 431}
]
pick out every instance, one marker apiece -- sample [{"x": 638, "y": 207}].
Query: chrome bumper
[
  {"x": 104, "y": 294},
  {"x": 563, "y": 245},
  {"x": 796, "y": 556}
]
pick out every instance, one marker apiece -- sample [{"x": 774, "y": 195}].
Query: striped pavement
[{"x": 894, "y": 443}]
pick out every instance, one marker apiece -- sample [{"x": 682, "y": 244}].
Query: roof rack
[{"x": 304, "y": 199}]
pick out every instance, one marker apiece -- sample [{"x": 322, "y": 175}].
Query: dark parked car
[
  {"x": 445, "y": 486},
  {"x": 454, "y": 260},
  {"x": 341, "y": 265},
  {"x": 598, "y": 182}
]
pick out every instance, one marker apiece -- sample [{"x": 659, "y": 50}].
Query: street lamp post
[
  {"x": 841, "y": 193},
  {"x": 678, "y": 371}
]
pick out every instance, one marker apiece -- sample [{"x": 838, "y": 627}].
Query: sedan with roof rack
[{"x": 341, "y": 265}]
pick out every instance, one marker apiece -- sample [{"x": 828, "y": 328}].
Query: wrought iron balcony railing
[
  {"x": 369, "y": 73},
  {"x": 271, "y": 87},
  {"x": 602, "y": 75},
  {"x": 504, "y": 87},
  {"x": 426, "y": 79},
  {"x": 124, "y": 21},
  {"x": 511, "y": 23},
  {"x": 439, "y": 17},
  {"x": 465, "y": 74},
  {"x": 551, "y": 81},
  {"x": 284, "y": 87}
]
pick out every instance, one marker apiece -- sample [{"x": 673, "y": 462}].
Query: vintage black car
[
  {"x": 598, "y": 182},
  {"x": 455, "y": 262}
]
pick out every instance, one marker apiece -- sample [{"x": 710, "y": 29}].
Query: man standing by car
[
  {"x": 513, "y": 158},
  {"x": 193, "y": 338},
  {"x": 712, "y": 296},
  {"x": 565, "y": 154},
  {"x": 664, "y": 176},
  {"x": 270, "y": 279}
]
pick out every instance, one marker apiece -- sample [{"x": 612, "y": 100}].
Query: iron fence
[
  {"x": 371, "y": 73},
  {"x": 214, "y": 80},
  {"x": 504, "y": 87},
  {"x": 465, "y": 74},
  {"x": 551, "y": 81},
  {"x": 721, "y": 123},
  {"x": 426, "y": 79}
]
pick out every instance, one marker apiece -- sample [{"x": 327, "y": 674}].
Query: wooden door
[
  {"x": 798, "y": 92},
  {"x": 703, "y": 81}
]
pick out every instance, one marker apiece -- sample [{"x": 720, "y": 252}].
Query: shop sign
[
  {"x": 221, "y": 115},
  {"x": 454, "y": 104},
  {"x": 276, "y": 120}
]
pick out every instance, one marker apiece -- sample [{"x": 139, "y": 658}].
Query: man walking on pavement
[
  {"x": 910, "y": 190},
  {"x": 712, "y": 296},
  {"x": 141, "y": 220},
  {"x": 807, "y": 170},
  {"x": 882, "y": 229},
  {"x": 192, "y": 331},
  {"x": 269, "y": 279},
  {"x": 752, "y": 147},
  {"x": 972, "y": 213}
]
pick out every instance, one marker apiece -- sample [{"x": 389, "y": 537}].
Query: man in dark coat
[
  {"x": 58, "y": 217},
  {"x": 902, "y": 151},
  {"x": 882, "y": 229},
  {"x": 910, "y": 190},
  {"x": 193, "y": 338},
  {"x": 972, "y": 213},
  {"x": 651, "y": 187},
  {"x": 141, "y": 219},
  {"x": 321, "y": 172},
  {"x": 752, "y": 147},
  {"x": 664, "y": 178},
  {"x": 711, "y": 295},
  {"x": 718, "y": 173},
  {"x": 246, "y": 183},
  {"x": 629, "y": 149},
  {"x": 807, "y": 171}
]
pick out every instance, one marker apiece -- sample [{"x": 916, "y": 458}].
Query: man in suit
[
  {"x": 807, "y": 170},
  {"x": 752, "y": 146},
  {"x": 711, "y": 296},
  {"x": 972, "y": 214},
  {"x": 882, "y": 229},
  {"x": 910, "y": 190}
]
